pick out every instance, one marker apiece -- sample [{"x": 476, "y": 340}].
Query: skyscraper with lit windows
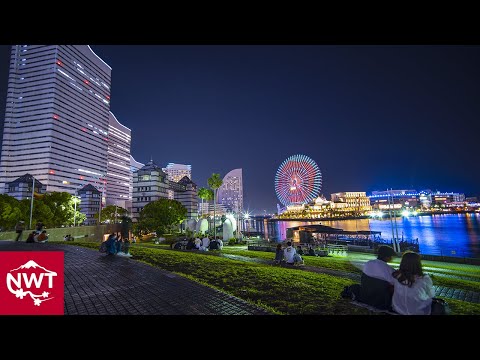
[
  {"x": 57, "y": 117},
  {"x": 176, "y": 172},
  {"x": 119, "y": 175},
  {"x": 230, "y": 194}
]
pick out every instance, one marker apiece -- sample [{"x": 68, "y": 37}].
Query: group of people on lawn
[
  {"x": 205, "y": 244},
  {"x": 406, "y": 291},
  {"x": 37, "y": 236},
  {"x": 290, "y": 255},
  {"x": 117, "y": 245}
]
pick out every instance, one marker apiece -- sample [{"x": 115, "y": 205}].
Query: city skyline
[{"x": 371, "y": 117}]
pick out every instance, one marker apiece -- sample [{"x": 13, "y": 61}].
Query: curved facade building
[
  {"x": 230, "y": 193},
  {"x": 119, "y": 175},
  {"x": 57, "y": 117}
]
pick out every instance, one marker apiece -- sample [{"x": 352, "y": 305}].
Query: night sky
[{"x": 371, "y": 116}]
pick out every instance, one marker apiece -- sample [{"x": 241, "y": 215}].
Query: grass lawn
[
  {"x": 286, "y": 291},
  {"x": 434, "y": 269}
]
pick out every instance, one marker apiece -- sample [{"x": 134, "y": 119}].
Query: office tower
[
  {"x": 57, "y": 117},
  {"x": 150, "y": 183},
  {"x": 119, "y": 174},
  {"x": 230, "y": 193}
]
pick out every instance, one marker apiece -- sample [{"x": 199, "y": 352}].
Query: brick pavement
[{"x": 96, "y": 284}]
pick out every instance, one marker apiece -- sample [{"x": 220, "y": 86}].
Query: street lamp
[
  {"x": 75, "y": 200},
  {"x": 31, "y": 202}
]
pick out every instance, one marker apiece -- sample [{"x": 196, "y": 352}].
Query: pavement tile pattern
[{"x": 97, "y": 284}]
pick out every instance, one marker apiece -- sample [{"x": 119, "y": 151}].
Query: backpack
[
  {"x": 103, "y": 247},
  {"x": 351, "y": 292},
  {"x": 440, "y": 307}
]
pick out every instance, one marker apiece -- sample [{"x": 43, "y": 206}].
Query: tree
[
  {"x": 108, "y": 213},
  {"x": 12, "y": 211},
  {"x": 161, "y": 216},
  {"x": 214, "y": 182},
  {"x": 62, "y": 208},
  {"x": 205, "y": 194},
  {"x": 53, "y": 209}
]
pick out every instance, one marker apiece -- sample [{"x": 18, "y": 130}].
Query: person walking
[{"x": 19, "y": 229}]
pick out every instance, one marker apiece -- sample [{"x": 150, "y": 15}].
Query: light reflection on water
[{"x": 446, "y": 234}]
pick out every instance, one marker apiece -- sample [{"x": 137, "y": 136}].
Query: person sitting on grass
[
  {"x": 31, "y": 237},
  {"x": 311, "y": 251},
  {"x": 289, "y": 254},
  {"x": 376, "y": 283},
  {"x": 110, "y": 242},
  {"x": 198, "y": 243},
  {"x": 278, "y": 254},
  {"x": 190, "y": 244},
  {"x": 43, "y": 237},
  {"x": 414, "y": 292},
  {"x": 300, "y": 250}
]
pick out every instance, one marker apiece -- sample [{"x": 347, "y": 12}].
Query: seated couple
[
  {"x": 406, "y": 291},
  {"x": 289, "y": 254},
  {"x": 36, "y": 236}
]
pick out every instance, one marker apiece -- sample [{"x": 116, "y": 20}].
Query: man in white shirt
[
  {"x": 289, "y": 253},
  {"x": 377, "y": 280},
  {"x": 205, "y": 242},
  {"x": 379, "y": 268}
]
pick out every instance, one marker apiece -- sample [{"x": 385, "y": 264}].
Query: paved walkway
[{"x": 96, "y": 284}]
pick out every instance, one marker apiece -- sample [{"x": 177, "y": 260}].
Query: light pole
[
  {"x": 75, "y": 200},
  {"x": 101, "y": 198},
  {"x": 31, "y": 202}
]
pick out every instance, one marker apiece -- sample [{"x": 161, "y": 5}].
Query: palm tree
[
  {"x": 205, "y": 194},
  {"x": 214, "y": 182}
]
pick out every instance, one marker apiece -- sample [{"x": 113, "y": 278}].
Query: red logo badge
[{"x": 31, "y": 283}]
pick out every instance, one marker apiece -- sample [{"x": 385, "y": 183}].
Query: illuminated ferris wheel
[{"x": 298, "y": 180}]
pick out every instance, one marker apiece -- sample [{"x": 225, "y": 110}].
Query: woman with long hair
[{"x": 413, "y": 290}]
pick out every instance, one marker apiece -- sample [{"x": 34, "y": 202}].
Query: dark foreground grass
[
  {"x": 288, "y": 291},
  {"x": 344, "y": 264}
]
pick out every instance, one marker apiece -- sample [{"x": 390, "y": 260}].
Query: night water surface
[{"x": 445, "y": 234}]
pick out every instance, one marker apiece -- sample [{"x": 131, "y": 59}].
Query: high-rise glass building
[
  {"x": 57, "y": 117},
  {"x": 119, "y": 175},
  {"x": 175, "y": 172},
  {"x": 230, "y": 193}
]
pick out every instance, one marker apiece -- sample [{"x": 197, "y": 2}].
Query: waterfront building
[
  {"x": 21, "y": 188},
  {"x": 119, "y": 175},
  {"x": 230, "y": 194},
  {"x": 90, "y": 198},
  {"x": 57, "y": 117},
  {"x": 150, "y": 183},
  {"x": 412, "y": 198},
  {"x": 397, "y": 198},
  {"x": 175, "y": 172},
  {"x": 351, "y": 202},
  {"x": 446, "y": 197}
]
